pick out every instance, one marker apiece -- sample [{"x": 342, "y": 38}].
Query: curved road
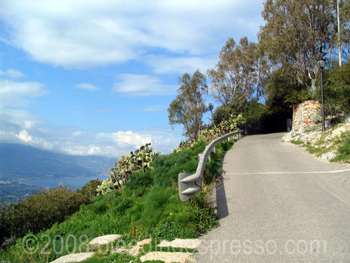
[{"x": 277, "y": 203}]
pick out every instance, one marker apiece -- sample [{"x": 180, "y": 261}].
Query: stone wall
[{"x": 303, "y": 114}]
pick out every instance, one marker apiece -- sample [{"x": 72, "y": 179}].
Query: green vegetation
[
  {"x": 337, "y": 90},
  {"x": 42, "y": 210},
  {"x": 147, "y": 205},
  {"x": 224, "y": 127},
  {"x": 13, "y": 192},
  {"x": 127, "y": 165},
  {"x": 297, "y": 142},
  {"x": 240, "y": 71},
  {"x": 189, "y": 106}
]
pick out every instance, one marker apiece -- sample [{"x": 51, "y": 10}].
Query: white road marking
[{"x": 316, "y": 172}]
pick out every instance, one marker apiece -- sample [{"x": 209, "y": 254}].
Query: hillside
[
  {"x": 20, "y": 162},
  {"x": 26, "y": 162},
  {"x": 147, "y": 206}
]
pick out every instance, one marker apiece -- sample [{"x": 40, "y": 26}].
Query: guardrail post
[{"x": 190, "y": 184}]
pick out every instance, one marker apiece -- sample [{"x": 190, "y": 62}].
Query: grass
[
  {"x": 297, "y": 142},
  {"x": 148, "y": 206}
]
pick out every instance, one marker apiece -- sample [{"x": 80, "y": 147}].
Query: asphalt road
[{"x": 279, "y": 204}]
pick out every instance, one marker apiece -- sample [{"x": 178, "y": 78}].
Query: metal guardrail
[{"x": 190, "y": 184}]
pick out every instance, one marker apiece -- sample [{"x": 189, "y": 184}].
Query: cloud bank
[{"x": 84, "y": 34}]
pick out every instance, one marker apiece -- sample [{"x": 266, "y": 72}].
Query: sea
[{"x": 76, "y": 182}]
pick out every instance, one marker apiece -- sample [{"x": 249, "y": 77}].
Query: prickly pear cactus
[
  {"x": 224, "y": 127},
  {"x": 126, "y": 165}
]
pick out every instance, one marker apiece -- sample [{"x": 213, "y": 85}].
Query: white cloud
[
  {"x": 14, "y": 93},
  {"x": 24, "y": 136},
  {"x": 12, "y": 73},
  {"x": 143, "y": 85},
  {"x": 105, "y": 151},
  {"x": 78, "y": 133},
  {"x": 163, "y": 139},
  {"x": 16, "y": 120},
  {"x": 86, "y": 33},
  {"x": 86, "y": 86},
  {"x": 180, "y": 65},
  {"x": 160, "y": 138},
  {"x": 19, "y": 126},
  {"x": 127, "y": 138}
]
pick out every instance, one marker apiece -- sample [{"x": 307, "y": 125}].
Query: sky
[{"x": 88, "y": 77}]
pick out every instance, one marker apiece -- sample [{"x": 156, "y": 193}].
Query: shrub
[
  {"x": 221, "y": 113},
  {"x": 88, "y": 191},
  {"x": 255, "y": 117},
  {"x": 337, "y": 90},
  {"x": 42, "y": 210}
]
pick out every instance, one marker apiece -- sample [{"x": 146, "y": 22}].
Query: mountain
[{"x": 19, "y": 161}]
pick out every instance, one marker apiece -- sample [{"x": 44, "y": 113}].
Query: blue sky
[{"x": 89, "y": 77}]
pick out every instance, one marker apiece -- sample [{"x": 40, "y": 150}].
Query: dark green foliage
[
  {"x": 221, "y": 113},
  {"x": 213, "y": 168},
  {"x": 238, "y": 104},
  {"x": 239, "y": 74},
  {"x": 282, "y": 86},
  {"x": 255, "y": 117},
  {"x": 167, "y": 231},
  {"x": 337, "y": 90},
  {"x": 99, "y": 207},
  {"x": 42, "y": 210},
  {"x": 225, "y": 146},
  {"x": 139, "y": 179},
  {"x": 88, "y": 191},
  {"x": 123, "y": 205},
  {"x": 189, "y": 106}
]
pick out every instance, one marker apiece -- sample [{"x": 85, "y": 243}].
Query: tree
[
  {"x": 241, "y": 67},
  {"x": 189, "y": 106},
  {"x": 282, "y": 86},
  {"x": 337, "y": 90},
  {"x": 345, "y": 28},
  {"x": 221, "y": 113},
  {"x": 297, "y": 32}
]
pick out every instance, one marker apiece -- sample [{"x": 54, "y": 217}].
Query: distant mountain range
[{"x": 19, "y": 161}]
